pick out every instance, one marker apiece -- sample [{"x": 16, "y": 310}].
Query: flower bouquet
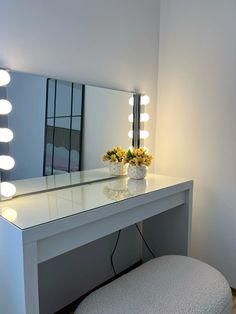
[
  {"x": 138, "y": 159},
  {"x": 116, "y": 157}
]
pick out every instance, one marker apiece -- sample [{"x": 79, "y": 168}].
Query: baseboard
[
  {"x": 72, "y": 306},
  {"x": 233, "y": 291}
]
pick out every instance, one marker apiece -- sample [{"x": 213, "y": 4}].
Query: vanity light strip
[
  {"x": 7, "y": 189},
  {"x": 136, "y": 123},
  {"x": 144, "y": 117},
  {"x": 136, "y": 134}
]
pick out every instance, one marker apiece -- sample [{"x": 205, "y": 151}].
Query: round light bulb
[
  {"x": 6, "y": 135},
  {"x": 6, "y": 162},
  {"x": 4, "y": 77},
  {"x": 144, "y": 134},
  {"x": 131, "y": 101},
  {"x": 145, "y": 100},
  {"x": 8, "y": 189},
  {"x": 5, "y": 106},
  {"x": 130, "y": 134},
  {"x": 9, "y": 214},
  {"x": 144, "y": 117}
]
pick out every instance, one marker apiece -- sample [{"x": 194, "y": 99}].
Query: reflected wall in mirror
[{"x": 62, "y": 126}]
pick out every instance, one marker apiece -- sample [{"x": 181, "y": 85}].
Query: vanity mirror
[{"x": 61, "y": 126}]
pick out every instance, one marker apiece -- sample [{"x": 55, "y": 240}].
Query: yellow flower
[
  {"x": 138, "y": 156},
  {"x": 116, "y": 154},
  {"x": 113, "y": 158},
  {"x": 104, "y": 157}
]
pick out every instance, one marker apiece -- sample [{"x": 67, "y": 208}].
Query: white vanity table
[{"x": 51, "y": 223}]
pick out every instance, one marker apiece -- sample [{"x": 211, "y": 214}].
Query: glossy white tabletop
[
  {"x": 29, "y": 211},
  {"x": 46, "y": 183}
]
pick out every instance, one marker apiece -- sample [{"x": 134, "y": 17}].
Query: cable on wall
[
  {"x": 113, "y": 252},
  {"x": 117, "y": 240}
]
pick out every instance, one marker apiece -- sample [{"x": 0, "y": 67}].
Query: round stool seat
[{"x": 169, "y": 285}]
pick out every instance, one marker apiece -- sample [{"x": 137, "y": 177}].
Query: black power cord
[
  {"x": 113, "y": 252},
  {"x": 145, "y": 242},
  {"x": 117, "y": 240}
]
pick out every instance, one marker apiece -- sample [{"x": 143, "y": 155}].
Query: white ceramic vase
[
  {"x": 117, "y": 168},
  {"x": 137, "y": 172}
]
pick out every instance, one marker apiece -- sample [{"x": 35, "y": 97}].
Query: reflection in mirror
[{"x": 62, "y": 126}]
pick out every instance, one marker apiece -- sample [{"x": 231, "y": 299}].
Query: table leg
[
  {"x": 31, "y": 278},
  {"x": 18, "y": 272}
]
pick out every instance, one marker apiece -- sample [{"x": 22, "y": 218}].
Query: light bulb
[
  {"x": 6, "y": 135},
  {"x": 6, "y": 162},
  {"x": 131, "y": 117},
  {"x": 131, "y": 101},
  {"x": 9, "y": 214},
  {"x": 144, "y": 134},
  {"x": 145, "y": 100},
  {"x": 8, "y": 189},
  {"x": 144, "y": 117},
  {"x": 5, "y": 106},
  {"x": 4, "y": 77},
  {"x": 130, "y": 134}
]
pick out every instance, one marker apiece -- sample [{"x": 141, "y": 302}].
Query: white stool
[{"x": 168, "y": 285}]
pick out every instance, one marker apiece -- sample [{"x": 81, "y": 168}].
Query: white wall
[
  {"x": 105, "y": 43},
  {"x": 196, "y": 130}
]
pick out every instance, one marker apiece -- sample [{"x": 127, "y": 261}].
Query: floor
[{"x": 234, "y": 305}]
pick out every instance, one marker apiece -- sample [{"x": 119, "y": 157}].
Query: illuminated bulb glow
[
  {"x": 5, "y": 106},
  {"x": 6, "y": 162},
  {"x": 130, "y": 134},
  {"x": 144, "y": 117},
  {"x": 8, "y": 189},
  {"x": 144, "y": 134},
  {"x": 6, "y": 135},
  {"x": 145, "y": 100},
  {"x": 4, "y": 77},
  {"x": 9, "y": 214},
  {"x": 131, "y": 101}
]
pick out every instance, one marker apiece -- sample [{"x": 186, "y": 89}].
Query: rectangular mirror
[{"x": 61, "y": 127}]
